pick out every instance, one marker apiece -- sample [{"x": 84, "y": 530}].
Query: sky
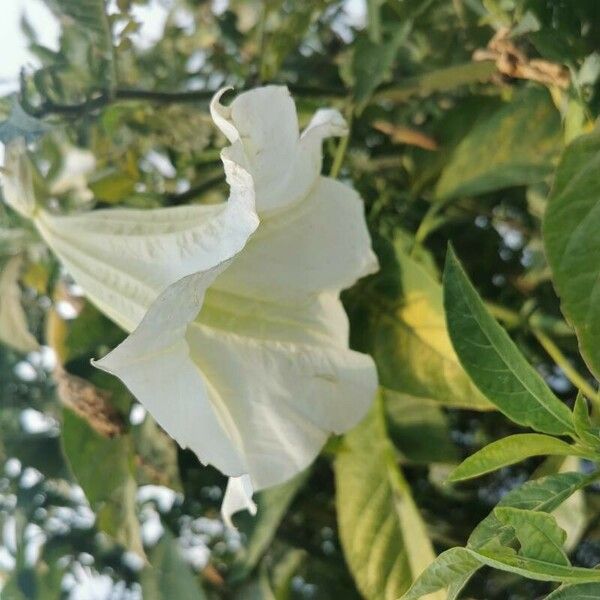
[{"x": 13, "y": 45}]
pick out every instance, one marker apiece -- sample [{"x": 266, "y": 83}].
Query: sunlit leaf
[
  {"x": 538, "y": 533},
  {"x": 510, "y": 450},
  {"x": 382, "y": 533},
  {"x": 14, "y": 330},
  {"x": 399, "y": 319}
]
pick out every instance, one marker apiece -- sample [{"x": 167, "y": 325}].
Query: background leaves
[{"x": 571, "y": 240}]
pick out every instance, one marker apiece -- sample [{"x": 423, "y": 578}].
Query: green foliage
[
  {"x": 111, "y": 492},
  {"x": 493, "y": 360},
  {"x": 272, "y": 505},
  {"x": 572, "y": 243},
  {"x": 586, "y": 430},
  {"x": 90, "y": 16},
  {"x": 442, "y": 148},
  {"x": 581, "y": 591},
  {"x": 538, "y": 534},
  {"x": 516, "y": 145},
  {"x": 452, "y": 568},
  {"x": 545, "y": 495},
  {"x": 383, "y": 535},
  {"x": 168, "y": 576},
  {"x": 419, "y": 428},
  {"x": 402, "y": 325},
  {"x": 510, "y": 450},
  {"x": 372, "y": 62}
]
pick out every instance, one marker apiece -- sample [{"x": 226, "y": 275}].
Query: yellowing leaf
[
  {"x": 384, "y": 538},
  {"x": 14, "y": 331}
]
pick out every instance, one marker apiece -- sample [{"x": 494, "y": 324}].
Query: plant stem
[
  {"x": 340, "y": 153},
  {"x": 438, "y": 81},
  {"x": 537, "y": 320},
  {"x": 425, "y": 84},
  {"x": 563, "y": 362}
]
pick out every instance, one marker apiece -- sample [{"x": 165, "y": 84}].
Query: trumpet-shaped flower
[
  {"x": 124, "y": 258},
  {"x": 250, "y": 366},
  {"x": 239, "y": 343}
]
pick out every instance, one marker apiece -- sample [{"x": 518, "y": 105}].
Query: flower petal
[
  {"x": 124, "y": 258},
  {"x": 238, "y": 496},
  {"x": 285, "y": 398},
  {"x": 154, "y": 363},
  {"x": 262, "y": 126},
  {"x": 247, "y": 405},
  {"x": 17, "y": 178},
  {"x": 320, "y": 244}
]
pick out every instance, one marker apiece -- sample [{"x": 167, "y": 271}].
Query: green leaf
[
  {"x": 398, "y": 318},
  {"x": 452, "y": 570},
  {"x": 372, "y": 61},
  {"x": 490, "y": 543},
  {"x": 419, "y": 429},
  {"x": 589, "y": 434},
  {"x": 374, "y": 20},
  {"x": 384, "y": 539},
  {"x": 538, "y": 533},
  {"x": 510, "y": 450},
  {"x": 110, "y": 491},
  {"x": 157, "y": 455},
  {"x": 581, "y": 591},
  {"x": 516, "y": 145},
  {"x": 272, "y": 505},
  {"x": 544, "y": 495},
  {"x": 570, "y": 232},
  {"x": 537, "y": 569},
  {"x": 168, "y": 575},
  {"x": 89, "y": 15},
  {"x": 494, "y": 362}
]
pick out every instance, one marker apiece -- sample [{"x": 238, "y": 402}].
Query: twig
[
  {"x": 49, "y": 107},
  {"x": 340, "y": 153},
  {"x": 563, "y": 362}
]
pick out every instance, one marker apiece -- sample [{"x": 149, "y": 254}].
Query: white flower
[
  {"x": 240, "y": 342},
  {"x": 124, "y": 258},
  {"x": 250, "y": 366},
  {"x": 17, "y": 178}
]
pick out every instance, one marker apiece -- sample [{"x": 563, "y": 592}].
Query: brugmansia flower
[
  {"x": 250, "y": 366},
  {"x": 124, "y": 258},
  {"x": 243, "y": 355}
]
